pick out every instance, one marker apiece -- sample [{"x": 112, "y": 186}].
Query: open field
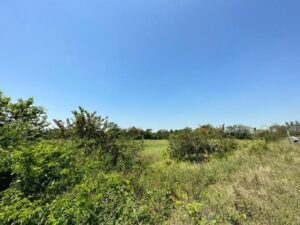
[
  {"x": 90, "y": 171},
  {"x": 155, "y": 150},
  {"x": 256, "y": 184}
]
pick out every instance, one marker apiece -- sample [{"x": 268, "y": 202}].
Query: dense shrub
[
  {"x": 189, "y": 145},
  {"x": 15, "y": 208},
  {"x": 11, "y": 136},
  {"x": 119, "y": 154},
  {"x": 104, "y": 199},
  {"x": 5, "y": 169},
  {"x": 45, "y": 168},
  {"x": 123, "y": 154},
  {"x": 223, "y": 145},
  {"x": 274, "y": 133}
]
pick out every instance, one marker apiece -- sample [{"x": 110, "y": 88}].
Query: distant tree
[
  {"x": 88, "y": 125},
  {"x": 162, "y": 134},
  {"x": 293, "y": 127},
  {"x": 61, "y": 128},
  {"x": 208, "y": 131},
  {"x": 148, "y": 134},
  {"x": 135, "y": 133},
  {"x": 239, "y": 132}
]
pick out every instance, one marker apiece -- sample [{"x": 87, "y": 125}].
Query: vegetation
[
  {"x": 87, "y": 170},
  {"x": 256, "y": 184}
]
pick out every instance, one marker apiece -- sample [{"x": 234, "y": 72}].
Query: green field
[
  {"x": 155, "y": 150},
  {"x": 253, "y": 185}
]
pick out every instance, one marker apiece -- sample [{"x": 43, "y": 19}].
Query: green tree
[
  {"x": 162, "y": 134},
  {"x": 88, "y": 125},
  {"x": 208, "y": 131},
  {"x": 20, "y": 121},
  {"x": 135, "y": 133}
]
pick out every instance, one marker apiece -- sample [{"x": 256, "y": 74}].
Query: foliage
[
  {"x": 162, "y": 134},
  {"x": 293, "y": 127},
  {"x": 84, "y": 125},
  {"x": 239, "y": 132},
  {"x": 121, "y": 154},
  {"x": 139, "y": 134},
  {"x": 210, "y": 132},
  {"x": 44, "y": 169},
  {"x": 187, "y": 145},
  {"x": 104, "y": 199},
  {"x": 258, "y": 184},
  {"x": 90, "y": 171},
  {"x": 5, "y": 169},
  {"x": 99, "y": 137},
  {"x": 273, "y": 133},
  {"x": 17, "y": 209},
  {"x": 135, "y": 133},
  {"x": 195, "y": 146},
  {"x": 20, "y": 121}
]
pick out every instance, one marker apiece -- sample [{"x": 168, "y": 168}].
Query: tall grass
[{"x": 257, "y": 184}]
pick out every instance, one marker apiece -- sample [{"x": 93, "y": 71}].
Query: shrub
[
  {"x": 268, "y": 136},
  {"x": 187, "y": 145},
  {"x": 222, "y": 146},
  {"x": 116, "y": 154},
  {"x": 123, "y": 154},
  {"x": 46, "y": 167},
  {"x": 5, "y": 169},
  {"x": 17, "y": 209},
  {"x": 104, "y": 199}
]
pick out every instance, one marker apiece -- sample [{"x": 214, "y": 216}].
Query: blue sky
[{"x": 156, "y": 63}]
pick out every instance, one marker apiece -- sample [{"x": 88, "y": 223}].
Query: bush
[
  {"x": 122, "y": 154},
  {"x": 189, "y": 145},
  {"x": 5, "y": 169},
  {"x": 104, "y": 199},
  {"x": 186, "y": 145},
  {"x": 44, "y": 168},
  {"x": 222, "y": 146},
  {"x": 268, "y": 136},
  {"x": 15, "y": 208}
]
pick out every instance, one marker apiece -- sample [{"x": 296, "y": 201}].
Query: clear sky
[{"x": 155, "y": 63}]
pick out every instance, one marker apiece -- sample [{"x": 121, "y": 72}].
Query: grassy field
[
  {"x": 256, "y": 184},
  {"x": 155, "y": 150}
]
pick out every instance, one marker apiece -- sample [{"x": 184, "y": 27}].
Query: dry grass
[{"x": 254, "y": 185}]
